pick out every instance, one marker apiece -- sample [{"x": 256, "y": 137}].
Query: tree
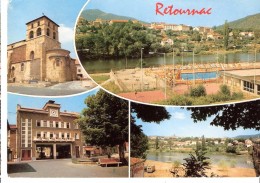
[
  {"x": 226, "y": 35},
  {"x": 104, "y": 122},
  {"x": 203, "y": 143},
  {"x": 170, "y": 143},
  {"x": 156, "y": 114},
  {"x": 196, "y": 165},
  {"x": 139, "y": 141},
  {"x": 198, "y": 91},
  {"x": 157, "y": 143},
  {"x": 231, "y": 116}
]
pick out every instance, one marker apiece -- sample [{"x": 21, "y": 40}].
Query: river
[
  {"x": 102, "y": 66},
  {"x": 242, "y": 161}
]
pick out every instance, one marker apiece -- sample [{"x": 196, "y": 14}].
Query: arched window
[
  {"x": 32, "y": 25},
  {"x": 32, "y": 55},
  {"x": 12, "y": 71},
  {"x": 48, "y": 32},
  {"x": 31, "y": 35},
  {"x": 54, "y": 35},
  {"x": 39, "y": 31},
  {"x": 22, "y": 66},
  {"x": 49, "y": 24},
  {"x": 38, "y": 23},
  {"x": 57, "y": 62}
]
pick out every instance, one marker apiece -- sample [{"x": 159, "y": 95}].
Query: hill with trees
[
  {"x": 250, "y": 22},
  {"x": 93, "y": 14}
]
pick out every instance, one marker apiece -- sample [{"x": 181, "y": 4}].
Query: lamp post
[
  {"x": 165, "y": 82},
  {"x": 142, "y": 69},
  {"x": 193, "y": 67},
  {"x": 255, "y": 71},
  {"x": 173, "y": 78},
  {"x": 224, "y": 78}
]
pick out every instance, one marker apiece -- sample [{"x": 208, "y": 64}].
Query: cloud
[
  {"x": 178, "y": 115},
  {"x": 66, "y": 34}
]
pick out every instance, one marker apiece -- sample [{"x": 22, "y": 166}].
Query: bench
[{"x": 108, "y": 161}]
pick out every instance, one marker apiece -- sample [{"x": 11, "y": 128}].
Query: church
[{"x": 40, "y": 57}]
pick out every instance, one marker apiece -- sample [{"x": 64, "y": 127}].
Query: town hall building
[
  {"x": 40, "y": 57},
  {"x": 47, "y": 133}
]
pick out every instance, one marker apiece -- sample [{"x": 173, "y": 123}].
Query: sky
[
  {"x": 63, "y": 12},
  {"x": 145, "y": 10},
  {"x": 71, "y": 104},
  {"x": 181, "y": 125}
]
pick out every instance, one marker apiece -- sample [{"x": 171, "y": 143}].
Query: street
[{"x": 68, "y": 88}]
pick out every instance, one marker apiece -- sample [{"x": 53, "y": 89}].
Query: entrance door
[
  {"x": 26, "y": 155},
  {"x": 44, "y": 152},
  {"x": 63, "y": 151},
  {"x": 77, "y": 151}
]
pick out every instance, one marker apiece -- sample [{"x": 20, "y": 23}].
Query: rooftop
[{"x": 44, "y": 16}]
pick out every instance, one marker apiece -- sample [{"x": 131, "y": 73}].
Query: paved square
[{"x": 63, "y": 168}]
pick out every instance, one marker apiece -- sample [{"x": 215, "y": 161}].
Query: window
[
  {"x": 51, "y": 135},
  {"x": 56, "y": 135},
  {"x": 32, "y": 55},
  {"x": 32, "y": 25},
  {"x": 62, "y": 135},
  {"x": 26, "y": 132},
  {"x": 54, "y": 35},
  {"x": 44, "y": 123},
  {"x": 38, "y": 134},
  {"x": 76, "y": 136},
  {"x": 79, "y": 70},
  {"x": 48, "y": 32},
  {"x": 44, "y": 134},
  {"x": 248, "y": 86},
  {"x": 68, "y": 125},
  {"x": 38, "y": 23},
  {"x": 31, "y": 35},
  {"x": 51, "y": 124},
  {"x": 49, "y": 24},
  {"x": 38, "y": 123},
  {"x": 39, "y": 31},
  {"x": 61, "y": 124},
  {"x": 57, "y": 124},
  {"x": 68, "y": 135},
  {"x": 22, "y": 66},
  {"x": 57, "y": 62}
]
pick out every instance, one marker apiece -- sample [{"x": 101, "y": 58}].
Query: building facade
[
  {"x": 12, "y": 142},
  {"x": 40, "y": 57},
  {"x": 47, "y": 133},
  {"x": 246, "y": 80}
]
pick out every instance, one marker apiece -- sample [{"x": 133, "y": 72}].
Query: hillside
[
  {"x": 93, "y": 14},
  {"x": 247, "y": 136},
  {"x": 249, "y": 22}
]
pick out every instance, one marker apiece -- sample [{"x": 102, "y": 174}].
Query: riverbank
[{"x": 162, "y": 169}]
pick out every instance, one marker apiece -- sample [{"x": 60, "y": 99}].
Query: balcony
[{"x": 53, "y": 139}]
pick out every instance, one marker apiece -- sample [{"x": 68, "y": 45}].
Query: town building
[
  {"x": 246, "y": 80},
  {"x": 118, "y": 22},
  {"x": 12, "y": 142},
  {"x": 137, "y": 167},
  {"x": 47, "y": 133},
  {"x": 39, "y": 57},
  {"x": 203, "y": 30}
]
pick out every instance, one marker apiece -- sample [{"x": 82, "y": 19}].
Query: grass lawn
[{"x": 100, "y": 78}]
